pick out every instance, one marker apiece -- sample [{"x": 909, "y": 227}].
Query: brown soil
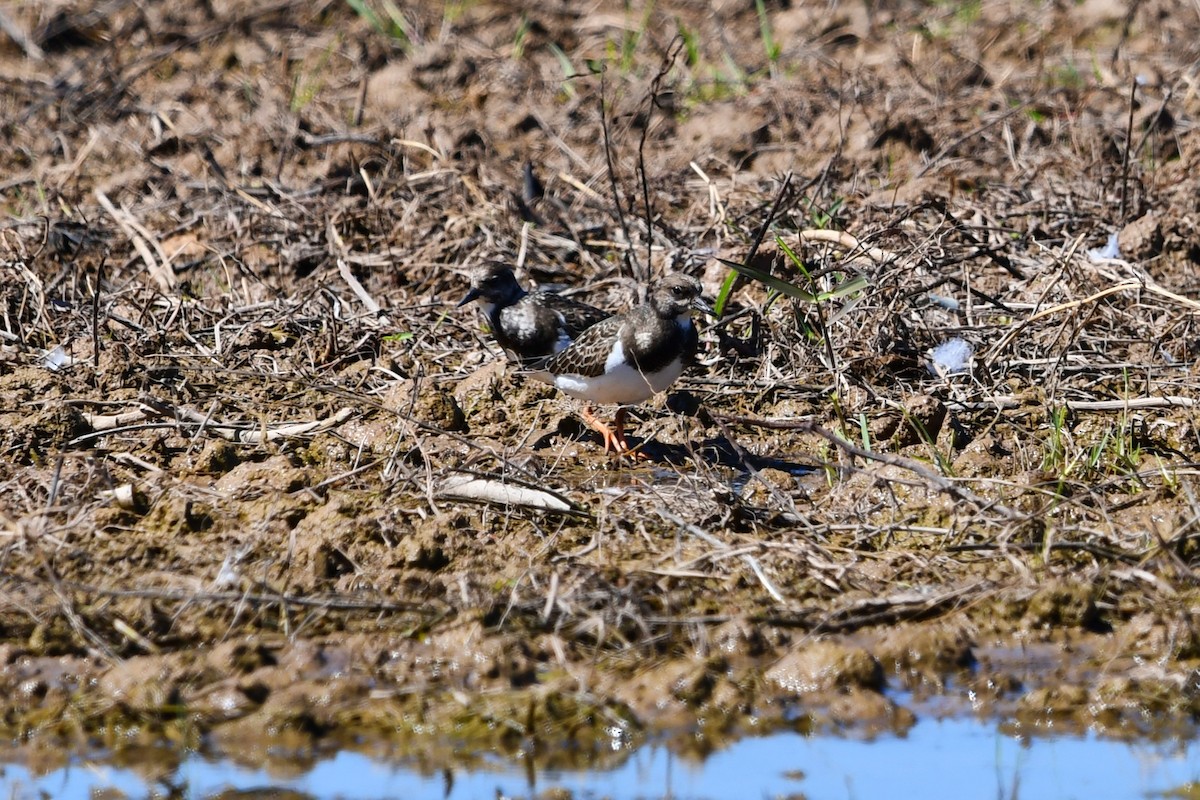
[{"x": 226, "y": 220}]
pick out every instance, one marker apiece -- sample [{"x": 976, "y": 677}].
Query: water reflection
[{"x": 949, "y": 758}]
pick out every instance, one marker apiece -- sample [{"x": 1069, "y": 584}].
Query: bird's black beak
[
  {"x": 471, "y": 295},
  {"x": 702, "y": 305}
]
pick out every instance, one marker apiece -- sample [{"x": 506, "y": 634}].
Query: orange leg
[
  {"x": 614, "y": 441},
  {"x": 614, "y": 437},
  {"x": 619, "y": 434}
]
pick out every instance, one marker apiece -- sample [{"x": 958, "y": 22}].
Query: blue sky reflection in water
[{"x": 958, "y": 759}]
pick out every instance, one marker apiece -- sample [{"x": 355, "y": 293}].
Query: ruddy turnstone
[
  {"x": 627, "y": 358},
  {"x": 530, "y": 325}
]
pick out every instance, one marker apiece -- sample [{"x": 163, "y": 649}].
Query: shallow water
[{"x": 958, "y": 758}]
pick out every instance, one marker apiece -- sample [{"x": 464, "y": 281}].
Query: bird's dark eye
[{"x": 677, "y": 291}]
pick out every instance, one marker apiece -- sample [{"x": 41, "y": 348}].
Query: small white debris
[
  {"x": 1111, "y": 250},
  {"x": 125, "y": 496},
  {"x": 55, "y": 359},
  {"x": 228, "y": 575},
  {"x": 948, "y": 303},
  {"x": 950, "y": 357}
]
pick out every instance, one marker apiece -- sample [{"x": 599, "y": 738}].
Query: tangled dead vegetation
[{"x": 250, "y": 451}]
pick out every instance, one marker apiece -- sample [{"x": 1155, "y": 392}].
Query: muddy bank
[{"x": 258, "y": 473}]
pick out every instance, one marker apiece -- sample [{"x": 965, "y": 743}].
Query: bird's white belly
[{"x": 620, "y": 383}]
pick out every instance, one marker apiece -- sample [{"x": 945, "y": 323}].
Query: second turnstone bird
[
  {"x": 530, "y": 325},
  {"x": 628, "y": 358}
]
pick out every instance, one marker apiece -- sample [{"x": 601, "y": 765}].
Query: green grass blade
[
  {"x": 569, "y": 72},
  {"x": 366, "y": 12},
  {"x": 770, "y": 46},
  {"x": 723, "y": 294},
  {"x": 791, "y": 254},
  {"x": 855, "y": 284},
  {"x": 770, "y": 281}
]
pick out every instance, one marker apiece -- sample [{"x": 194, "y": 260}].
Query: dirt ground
[{"x": 265, "y": 490}]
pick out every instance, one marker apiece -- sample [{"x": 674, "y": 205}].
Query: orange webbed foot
[{"x": 614, "y": 436}]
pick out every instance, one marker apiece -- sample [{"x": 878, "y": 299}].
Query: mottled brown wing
[
  {"x": 586, "y": 356},
  {"x": 577, "y": 317}
]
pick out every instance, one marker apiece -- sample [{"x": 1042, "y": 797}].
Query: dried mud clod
[
  {"x": 33, "y": 439},
  {"x": 217, "y": 457},
  {"x": 920, "y": 420},
  {"x": 824, "y": 666},
  {"x": 1142, "y": 239},
  {"x": 439, "y": 408},
  {"x": 923, "y": 656},
  {"x": 1064, "y": 604}
]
